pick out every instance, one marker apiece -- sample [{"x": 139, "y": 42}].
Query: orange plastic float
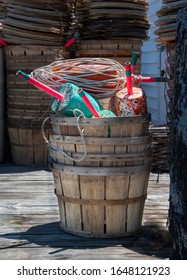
[
  {"x": 123, "y": 104},
  {"x": 130, "y": 100}
]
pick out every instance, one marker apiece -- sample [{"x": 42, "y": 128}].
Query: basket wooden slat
[{"x": 119, "y": 50}]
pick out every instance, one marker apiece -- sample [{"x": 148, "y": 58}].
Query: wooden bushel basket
[
  {"x": 102, "y": 195},
  {"x": 27, "y": 106},
  {"x": 28, "y": 147}
]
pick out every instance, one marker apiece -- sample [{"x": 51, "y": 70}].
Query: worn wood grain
[{"x": 29, "y": 222}]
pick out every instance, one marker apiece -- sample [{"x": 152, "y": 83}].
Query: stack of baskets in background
[
  {"x": 36, "y": 22},
  {"x": 166, "y": 36},
  {"x": 3, "y": 11},
  {"x": 167, "y": 15},
  {"x": 74, "y": 29},
  {"x": 35, "y": 32},
  {"x": 112, "y": 29},
  {"x": 27, "y": 107}
]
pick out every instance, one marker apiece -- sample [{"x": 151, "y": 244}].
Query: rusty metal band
[
  {"x": 101, "y": 202},
  {"x": 135, "y": 157},
  {"x": 60, "y": 120},
  {"x": 100, "y": 171},
  {"x": 65, "y": 139}
]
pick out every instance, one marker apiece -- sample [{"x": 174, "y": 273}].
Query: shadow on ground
[{"x": 151, "y": 241}]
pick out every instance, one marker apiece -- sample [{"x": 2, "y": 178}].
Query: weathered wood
[
  {"x": 36, "y": 23},
  {"x": 29, "y": 226},
  {"x": 167, "y": 21},
  {"x": 111, "y": 44},
  {"x": 160, "y": 148},
  {"x": 98, "y": 122},
  {"x": 28, "y": 146},
  {"x": 26, "y": 58},
  {"x": 112, "y": 253},
  {"x": 171, "y": 7},
  {"x": 178, "y": 190},
  {"x": 27, "y": 106},
  {"x": 113, "y": 20},
  {"x": 105, "y": 53},
  {"x": 110, "y": 194},
  {"x": 105, "y": 4}
]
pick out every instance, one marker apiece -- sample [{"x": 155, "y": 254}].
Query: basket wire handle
[{"x": 56, "y": 148}]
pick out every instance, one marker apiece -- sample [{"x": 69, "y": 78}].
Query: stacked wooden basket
[
  {"x": 166, "y": 36},
  {"x": 3, "y": 5},
  {"x": 103, "y": 194},
  {"x": 166, "y": 31},
  {"x": 43, "y": 22},
  {"x": 112, "y": 29},
  {"x": 2, "y": 14},
  {"x": 35, "y": 32}
]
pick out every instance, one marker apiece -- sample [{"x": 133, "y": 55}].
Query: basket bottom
[{"x": 92, "y": 235}]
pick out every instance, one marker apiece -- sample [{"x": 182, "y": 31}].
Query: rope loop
[{"x": 78, "y": 115}]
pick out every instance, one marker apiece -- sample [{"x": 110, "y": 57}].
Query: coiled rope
[
  {"x": 101, "y": 77},
  {"x": 54, "y": 148}
]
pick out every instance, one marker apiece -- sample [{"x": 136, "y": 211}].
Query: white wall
[{"x": 153, "y": 60}]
